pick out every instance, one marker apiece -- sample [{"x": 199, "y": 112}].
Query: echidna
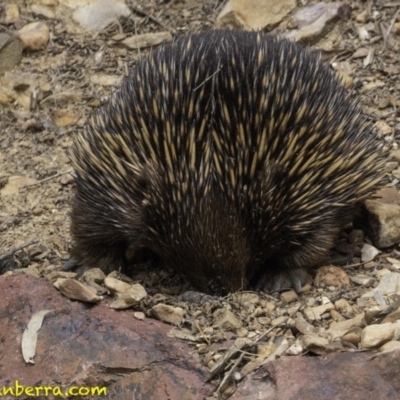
[{"x": 233, "y": 156}]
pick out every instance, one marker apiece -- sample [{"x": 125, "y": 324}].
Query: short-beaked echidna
[{"x": 231, "y": 155}]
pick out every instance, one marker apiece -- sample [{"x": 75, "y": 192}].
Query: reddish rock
[
  {"x": 340, "y": 376},
  {"x": 92, "y": 345}
]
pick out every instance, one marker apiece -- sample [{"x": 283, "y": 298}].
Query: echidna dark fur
[{"x": 233, "y": 156}]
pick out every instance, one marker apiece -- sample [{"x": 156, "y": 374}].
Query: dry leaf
[{"x": 29, "y": 337}]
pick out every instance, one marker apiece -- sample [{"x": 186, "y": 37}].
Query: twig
[
  {"x": 386, "y": 35},
  {"x": 230, "y": 373},
  {"x": 151, "y": 17},
  {"x": 18, "y": 248},
  {"x": 49, "y": 178}
]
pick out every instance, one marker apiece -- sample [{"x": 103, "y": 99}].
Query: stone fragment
[
  {"x": 146, "y": 40},
  {"x": 116, "y": 285},
  {"x": 313, "y": 21},
  {"x": 368, "y": 253},
  {"x": 225, "y": 319},
  {"x": 74, "y": 290},
  {"x": 331, "y": 276},
  {"x": 11, "y": 14},
  {"x": 363, "y": 280},
  {"x": 169, "y": 314},
  {"x": 353, "y": 336},
  {"x": 338, "y": 329},
  {"x": 34, "y": 36},
  {"x": 314, "y": 343},
  {"x": 384, "y": 223},
  {"x": 130, "y": 297},
  {"x": 302, "y": 325},
  {"x": 344, "y": 308},
  {"x": 315, "y": 313},
  {"x": 388, "y": 285},
  {"x": 383, "y": 128},
  {"x": 254, "y": 14},
  {"x": 376, "y": 335},
  {"x": 10, "y": 52},
  {"x": 98, "y": 15},
  {"x": 14, "y": 183},
  {"x": 289, "y": 296}
]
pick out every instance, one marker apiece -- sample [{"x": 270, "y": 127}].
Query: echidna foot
[
  {"x": 281, "y": 281},
  {"x": 70, "y": 265}
]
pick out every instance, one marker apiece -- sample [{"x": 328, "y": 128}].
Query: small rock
[
  {"x": 302, "y": 325},
  {"x": 363, "y": 16},
  {"x": 396, "y": 173},
  {"x": 64, "y": 117},
  {"x": 368, "y": 253},
  {"x": 344, "y": 308},
  {"x": 105, "y": 80},
  {"x": 289, "y": 296},
  {"x": 139, "y": 315},
  {"x": 383, "y": 128},
  {"x": 264, "y": 320},
  {"x": 390, "y": 166},
  {"x": 353, "y": 336},
  {"x": 116, "y": 285},
  {"x": 336, "y": 316},
  {"x": 130, "y": 297},
  {"x": 169, "y": 314},
  {"x": 11, "y": 14},
  {"x": 314, "y": 343},
  {"x": 295, "y": 349},
  {"x": 384, "y": 222},
  {"x": 66, "y": 179},
  {"x": 14, "y": 183},
  {"x": 388, "y": 285},
  {"x": 279, "y": 321},
  {"x": 225, "y": 319},
  {"x": 392, "y": 317},
  {"x": 76, "y": 291},
  {"x": 242, "y": 332},
  {"x": 146, "y": 40},
  {"x": 246, "y": 298},
  {"x": 390, "y": 346},
  {"x": 376, "y": 335},
  {"x": 315, "y": 313},
  {"x": 363, "y": 280},
  {"x": 93, "y": 277},
  {"x": 254, "y": 14},
  {"x": 43, "y": 10},
  {"x": 338, "y": 329},
  {"x": 370, "y": 265},
  {"x": 331, "y": 276},
  {"x": 54, "y": 275},
  {"x": 98, "y": 15},
  {"x": 388, "y": 195},
  {"x": 316, "y": 18},
  {"x": 384, "y": 103},
  {"x": 10, "y": 54},
  {"x": 395, "y": 155},
  {"x": 34, "y": 36}
]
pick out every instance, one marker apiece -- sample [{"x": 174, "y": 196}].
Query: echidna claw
[{"x": 282, "y": 281}]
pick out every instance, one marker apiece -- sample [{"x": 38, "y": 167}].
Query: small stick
[
  {"x": 49, "y": 178},
  {"x": 230, "y": 373},
  {"x": 385, "y": 37},
  {"x": 17, "y": 248},
  {"x": 152, "y": 18}
]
